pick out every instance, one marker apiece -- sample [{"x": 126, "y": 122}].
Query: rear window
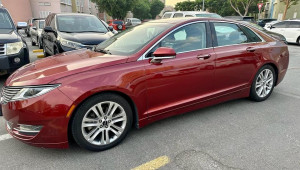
[
  {"x": 118, "y": 22},
  {"x": 5, "y": 20}
]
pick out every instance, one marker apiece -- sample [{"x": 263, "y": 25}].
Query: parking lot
[{"x": 239, "y": 134}]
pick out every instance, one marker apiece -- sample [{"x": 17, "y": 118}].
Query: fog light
[
  {"x": 17, "y": 60},
  {"x": 28, "y": 129}
]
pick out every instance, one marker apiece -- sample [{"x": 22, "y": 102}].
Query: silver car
[{"x": 36, "y": 31}]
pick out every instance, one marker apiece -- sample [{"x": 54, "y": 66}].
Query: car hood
[
  {"x": 52, "y": 68},
  {"x": 8, "y": 36},
  {"x": 86, "y": 38}
]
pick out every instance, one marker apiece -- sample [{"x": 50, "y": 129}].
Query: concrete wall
[
  {"x": 293, "y": 11},
  {"x": 20, "y": 10}
]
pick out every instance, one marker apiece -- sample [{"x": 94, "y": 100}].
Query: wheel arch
[{"x": 125, "y": 96}]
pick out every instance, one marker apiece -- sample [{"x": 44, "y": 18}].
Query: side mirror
[
  {"x": 48, "y": 29},
  {"x": 272, "y": 27},
  {"x": 21, "y": 25},
  {"x": 163, "y": 53},
  {"x": 111, "y": 28}
]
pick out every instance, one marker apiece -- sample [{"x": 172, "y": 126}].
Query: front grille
[
  {"x": 8, "y": 93},
  {"x": 2, "y": 49}
]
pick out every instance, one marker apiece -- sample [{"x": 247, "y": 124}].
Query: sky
[{"x": 173, "y": 2}]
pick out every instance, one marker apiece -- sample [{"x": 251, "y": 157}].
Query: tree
[
  {"x": 288, "y": 4},
  {"x": 156, "y": 6},
  {"x": 188, "y": 6},
  {"x": 116, "y": 8},
  {"x": 221, "y": 7},
  {"x": 241, "y": 5},
  {"x": 141, "y": 9}
]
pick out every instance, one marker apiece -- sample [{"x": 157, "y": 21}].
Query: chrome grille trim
[
  {"x": 2, "y": 49},
  {"x": 8, "y": 93}
]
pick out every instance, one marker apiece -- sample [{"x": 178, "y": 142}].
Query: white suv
[
  {"x": 180, "y": 14},
  {"x": 290, "y": 29}
]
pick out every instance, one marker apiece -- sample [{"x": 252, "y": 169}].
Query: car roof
[
  {"x": 189, "y": 19},
  {"x": 75, "y": 14}
]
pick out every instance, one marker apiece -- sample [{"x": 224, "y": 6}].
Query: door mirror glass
[
  {"x": 48, "y": 29},
  {"x": 111, "y": 28}
]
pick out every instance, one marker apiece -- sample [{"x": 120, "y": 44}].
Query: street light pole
[{"x": 202, "y": 5}]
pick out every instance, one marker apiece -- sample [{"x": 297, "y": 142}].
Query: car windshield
[
  {"x": 79, "y": 23},
  {"x": 42, "y": 24},
  {"x": 5, "y": 21},
  {"x": 209, "y": 15},
  {"x": 132, "y": 40},
  {"x": 118, "y": 22}
]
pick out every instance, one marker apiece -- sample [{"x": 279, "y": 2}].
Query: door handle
[
  {"x": 251, "y": 49},
  {"x": 203, "y": 57}
]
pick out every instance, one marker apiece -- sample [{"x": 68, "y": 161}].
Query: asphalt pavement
[{"x": 239, "y": 134}]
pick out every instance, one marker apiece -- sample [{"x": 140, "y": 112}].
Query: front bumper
[
  {"x": 48, "y": 113},
  {"x": 7, "y": 62}
]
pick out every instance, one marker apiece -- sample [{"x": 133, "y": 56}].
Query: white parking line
[{"x": 5, "y": 137}]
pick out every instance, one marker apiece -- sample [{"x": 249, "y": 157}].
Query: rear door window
[
  {"x": 178, "y": 15},
  {"x": 283, "y": 24},
  {"x": 251, "y": 36},
  {"x": 294, "y": 24},
  {"x": 167, "y": 16},
  {"x": 229, "y": 34}
]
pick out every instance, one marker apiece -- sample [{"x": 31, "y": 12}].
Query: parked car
[
  {"x": 13, "y": 48},
  {"x": 131, "y": 22},
  {"x": 180, "y": 14},
  {"x": 290, "y": 29},
  {"x": 268, "y": 25},
  {"x": 262, "y": 22},
  {"x": 109, "y": 27},
  {"x": 117, "y": 24},
  {"x": 239, "y": 18},
  {"x": 66, "y": 32},
  {"x": 170, "y": 68},
  {"x": 29, "y": 26},
  {"x": 276, "y": 36},
  {"x": 36, "y": 33}
]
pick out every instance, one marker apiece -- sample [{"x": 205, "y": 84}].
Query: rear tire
[
  {"x": 298, "y": 40},
  {"x": 101, "y": 122},
  {"x": 44, "y": 51},
  {"x": 263, "y": 83}
]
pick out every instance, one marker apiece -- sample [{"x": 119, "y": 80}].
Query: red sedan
[
  {"x": 117, "y": 24},
  {"x": 150, "y": 72}
]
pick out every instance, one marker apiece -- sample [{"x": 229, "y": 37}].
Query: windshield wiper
[{"x": 103, "y": 51}]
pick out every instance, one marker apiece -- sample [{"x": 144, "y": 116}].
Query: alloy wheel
[
  {"x": 104, "y": 123},
  {"x": 264, "y": 83}
]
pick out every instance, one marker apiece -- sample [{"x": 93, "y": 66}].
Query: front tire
[
  {"x": 263, "y": 83},
  {"x": 101, "y": 122}
]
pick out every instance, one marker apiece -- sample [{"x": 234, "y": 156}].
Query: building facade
[
  {"x": 23, "y": 10},
  {"x": 275, "y": 9}
]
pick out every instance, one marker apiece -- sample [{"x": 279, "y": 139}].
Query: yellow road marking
[
  {"x": 71, "y": 110},
  {"x": 40, "y": 56},
  {"x": 154, "y": 164},
  {"x": 38, "y": 51}
]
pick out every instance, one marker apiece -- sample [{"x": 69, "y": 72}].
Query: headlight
[
  {"x": 33, "y": 91},
  {"x": 70, "y": 44},
  {"x": 14, "y": 48}
]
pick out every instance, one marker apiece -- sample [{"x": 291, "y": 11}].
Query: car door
[
  {"x": 237, "y": 51},
  {"x": 280, "y": 27},
  {"x": 292, "y": 32},
  {"x": 184, "y": 80}
]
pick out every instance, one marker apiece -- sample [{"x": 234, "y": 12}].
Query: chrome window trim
[
  {"x": 230, "y": 22},
  {"x": 143, "y": 57}
]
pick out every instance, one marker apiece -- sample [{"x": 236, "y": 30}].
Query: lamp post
[{"x": 202, "y": 5}]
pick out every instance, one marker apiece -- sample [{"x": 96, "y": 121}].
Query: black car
[
  {"x": 66, "y": 32},
  {"x": 13, "y": 48},
  {"x": 240, "y": 18},
  {"x": 262, "y": 22}
]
